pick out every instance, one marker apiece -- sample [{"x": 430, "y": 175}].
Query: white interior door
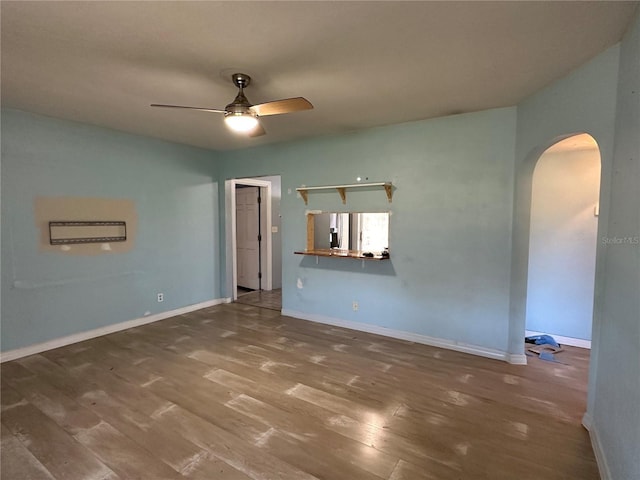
[
  {"x": 247, "y": 233},
  {"x": 231, "y": 250}
]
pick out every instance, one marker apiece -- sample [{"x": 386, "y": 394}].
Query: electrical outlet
[
  {"x": 160, "y": 297},
  {"x": 355, "y": 306}
]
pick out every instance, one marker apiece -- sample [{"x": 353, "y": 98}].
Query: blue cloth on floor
[
  {"x": 542, "y": 340},
  {"x": 547, "y": 356}
]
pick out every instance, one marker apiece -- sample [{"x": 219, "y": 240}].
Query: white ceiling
[{"x": 361, "y": 64}]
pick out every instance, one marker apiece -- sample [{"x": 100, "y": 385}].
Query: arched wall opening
[{"x": 562, "y": 241}]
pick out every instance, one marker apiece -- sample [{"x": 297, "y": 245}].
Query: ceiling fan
[{"x": 242, "y": 117}]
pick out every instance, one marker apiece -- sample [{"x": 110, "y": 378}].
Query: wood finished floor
[
  {"x": 271, "y": 299},
  {"x": 238, "y": 392}
]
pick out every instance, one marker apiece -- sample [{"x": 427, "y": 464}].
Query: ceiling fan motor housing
[
  {"x": 241, "y": 80},
  {"x": 240, "y": 104}
]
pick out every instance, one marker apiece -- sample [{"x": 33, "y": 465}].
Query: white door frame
[{"x": 230, "y": 233}]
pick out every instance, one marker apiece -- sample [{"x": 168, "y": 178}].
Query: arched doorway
[{"x": 562, "y": 241}]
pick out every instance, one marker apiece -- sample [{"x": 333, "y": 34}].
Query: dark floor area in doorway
[{"x": 271, "y": 299}]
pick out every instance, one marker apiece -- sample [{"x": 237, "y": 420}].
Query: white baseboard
[
  {"x": 574, "y": 342},
  {"x": 601, "y": 459},
  {"x": 517, "y": 358},
  {"x": 116, "y": 327},
  {"x": 410, "y": 336},
  {"x": 587, "y": 421}
]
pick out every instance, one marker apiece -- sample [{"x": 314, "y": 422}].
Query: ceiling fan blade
[
  {"x": 214, "y": 110},
  {"x": 257, "y": 132},
  {"x": 277, "y": 107}
]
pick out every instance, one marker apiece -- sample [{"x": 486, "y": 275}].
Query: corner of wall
[{"x": 601, "y": 459}]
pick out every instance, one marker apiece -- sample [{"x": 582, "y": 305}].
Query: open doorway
[
  {"x": 562, "y": 242},
  {"x": 252, "y": 215},
  {"x": 250, "y": 230}
]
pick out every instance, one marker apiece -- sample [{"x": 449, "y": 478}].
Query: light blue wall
[
  {"x": 276, "y": 237},
  {"x": 458, "y": 232},
  {"x": 48, "y": 295},
  {"x": 616, "y": 381},
  {"x": 448, "y": 276},
  {"x": 583, "y": 102},
  {"x": 601, "y": 98}
]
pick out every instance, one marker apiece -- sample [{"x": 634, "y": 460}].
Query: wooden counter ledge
[{"x": 339, "y": 253}]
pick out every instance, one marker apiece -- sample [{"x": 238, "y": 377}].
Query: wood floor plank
[
  {"x": 435, "y": 471},
  {"x": 183, "y": 456},
  {"x": 458, "y": 399},
  {"x": 483, "y": 385},
  {"x": 238, "y": 392},
  {"x": 336, "y": 415},
  {"x": 243, "y": 456},
  {"x": 62, "y": 409},
  {"x": 521, "y": 399},
  {"x": 17, "y": 462},
  {"x": 196, "y": 402},
  {"x": 122, "y": 455},
  {"x": 233, "y": 401},
  {"x": 295, "y": 445},
  {"x": 489, "y": 430},
  {"x": 60, "y": 453},
  {"x": 318, "y": 438},
  {"x": 264, "y": 299}
]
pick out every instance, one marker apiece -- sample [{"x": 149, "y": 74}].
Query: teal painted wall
[
  {"x": 448, "y": 276},
  {"x": 276, "y": 237},
  {"x": 459, "y": 234},
  {"x": 48, "y": 295},
  {"x": 601, "y": 98},
  {"x": 582, "y": 102},
  {"x": 616, "y": 380}
]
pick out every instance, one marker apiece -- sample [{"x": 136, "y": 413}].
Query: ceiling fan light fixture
[
  {"x": 241, "y": 116},
  {"x": 241, "y": 122}
]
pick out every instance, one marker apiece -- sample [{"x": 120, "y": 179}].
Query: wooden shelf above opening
[{"x": 342, "y": 190}]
